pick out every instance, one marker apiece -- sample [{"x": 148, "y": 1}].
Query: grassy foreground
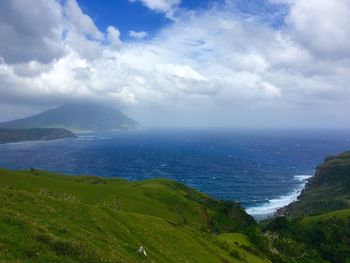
[{"x": 47, "y": 217}]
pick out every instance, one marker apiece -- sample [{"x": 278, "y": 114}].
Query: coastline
[
  {"x": 36, "y": 141},
  {"x": 274, "y": 207},
  {"x": 33, "y": 134}
]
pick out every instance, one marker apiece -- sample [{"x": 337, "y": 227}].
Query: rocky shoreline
[{"x": 35, "y": 134}]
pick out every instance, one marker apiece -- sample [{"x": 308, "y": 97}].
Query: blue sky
[
  {"x": 126, "y": 15},
  {"x": 225, "y": 63}
]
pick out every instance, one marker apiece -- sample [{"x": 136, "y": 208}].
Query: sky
[{"x": 180, "y": 63}]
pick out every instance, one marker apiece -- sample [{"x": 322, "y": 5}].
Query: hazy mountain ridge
[{"x": 77, "y": 117}]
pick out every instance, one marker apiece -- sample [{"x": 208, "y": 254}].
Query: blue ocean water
[{"x": 261, "y": 169}]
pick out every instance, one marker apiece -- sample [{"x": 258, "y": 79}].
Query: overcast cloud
[{"x": 209, "y": 67}]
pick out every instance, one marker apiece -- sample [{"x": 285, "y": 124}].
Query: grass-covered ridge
[
  {"x": 46, "y": 217},
  {"x": 316, "y": 228},
  {"x": 327, "y": 190}
]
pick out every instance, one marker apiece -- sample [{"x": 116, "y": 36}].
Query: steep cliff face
[
  {"x": 327, "y": 190},
  {"x": 319, "y": 221}
]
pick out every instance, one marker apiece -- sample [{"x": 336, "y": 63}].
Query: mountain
[
  {"x": 77, "y": 117},
  {"x": 46, "y": 217},
  {"x": 19, "y": 135},
  {"x": 327, "y": 190}
]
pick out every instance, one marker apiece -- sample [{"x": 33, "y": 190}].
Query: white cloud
[
  {"x": 321, "y": 25},
  {"x": 207, "y": 67},
  {"x": 80, "y": 21},
  {"x": 114, "y": 37},
  {"x": 181, "y": 71},
  {"x": 137, "y": 34},
  {"x": 30, "y": 31},
  {"x": 165, "y": 6}
]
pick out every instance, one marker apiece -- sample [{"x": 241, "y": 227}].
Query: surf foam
[{"x": 271, "y": 206}]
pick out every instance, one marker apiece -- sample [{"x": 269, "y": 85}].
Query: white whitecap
[
  {"x": 271, "y": 206},
  {"x": 92, "y": 138},
  {"x": 302, "y": 177}
]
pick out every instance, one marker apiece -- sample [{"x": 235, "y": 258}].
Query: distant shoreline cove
[{"x": 269, "y": 209}]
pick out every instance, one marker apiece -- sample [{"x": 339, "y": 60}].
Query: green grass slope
[
  {"x": 47, "y": 217},
  {"x": 339, "y": 214},
  {"x": 316, "y": 228},
  {"x": 328, "y": 190},
  {"x": 322, "y": 238}
]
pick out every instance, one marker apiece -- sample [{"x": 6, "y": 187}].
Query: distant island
[
  {"x": 34, "y": 134},
  {"x": 78, "y": 118}
]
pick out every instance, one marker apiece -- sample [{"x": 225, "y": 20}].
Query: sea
[{"x": 262, "y": 169}]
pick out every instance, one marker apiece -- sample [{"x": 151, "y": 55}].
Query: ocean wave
[
  {"x": 271, "y": 206},
  {"x": 303, "y": 177},
  {"x": 92, "y": 138}
]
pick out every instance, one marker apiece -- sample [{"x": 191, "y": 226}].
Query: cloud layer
[
  {"x": 164, "y": 6},
  {"x": 209, "y": 67}
]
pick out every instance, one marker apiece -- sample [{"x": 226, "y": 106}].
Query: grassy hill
[
  {"x": 47, "y": 217},
  {"x": 318, "y": 224},
  {"x": 328, "y": 190},
  {"x": 326, "y": 236}
]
